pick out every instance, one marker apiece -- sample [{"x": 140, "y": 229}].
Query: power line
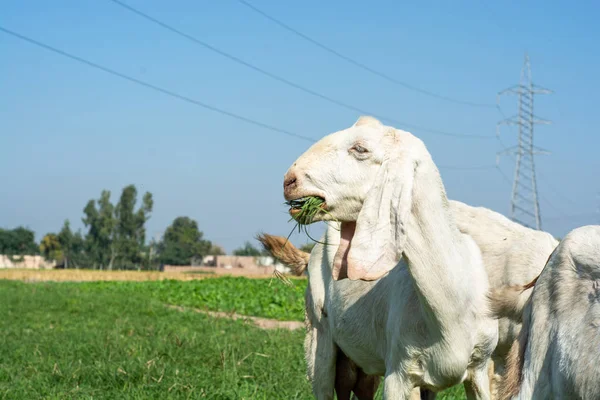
[
  {"x": 464, "y": 168},
  {"x": 359, "y": 64},
  {"x": 224, "y": 112},
  {"x": 572, "y": 216},
  {"x": 552, "y": 206},
  {"x": 287, "y": 81},
  {"x": 557, "y": 192},
  {"x": 154, "y": 87},
  {"x": 504, "y": 176},
  {"x": 178, "y": 96}
]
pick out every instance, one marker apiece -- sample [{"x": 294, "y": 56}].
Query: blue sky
[{"x": 68, "y": 131}]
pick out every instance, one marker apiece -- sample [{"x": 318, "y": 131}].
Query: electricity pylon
[{"x": 524, "y": 205}]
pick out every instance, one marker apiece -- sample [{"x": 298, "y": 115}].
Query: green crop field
[{"x": 118, "y": 340}]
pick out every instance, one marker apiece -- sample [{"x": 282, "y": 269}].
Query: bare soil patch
[{"x": 263, "y": 323}]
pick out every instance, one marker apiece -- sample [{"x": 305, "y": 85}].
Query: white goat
[
  {"x": 414, "y": 308},
  {"x": 556, "y": 355},
  {"x": 512, "y": 255},
  {"x": 349, "y": 377}
]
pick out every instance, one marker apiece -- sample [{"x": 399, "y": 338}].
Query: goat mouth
[{"x": 305, "y": 208}]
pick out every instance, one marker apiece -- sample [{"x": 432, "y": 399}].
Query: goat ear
[
  {"x": 380, "y": 235},
  {"x": 367, "y": 120}
]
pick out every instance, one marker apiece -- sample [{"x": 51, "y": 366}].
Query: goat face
[
  {"x": 364, "y": 174},
  {"x": 340, "y": 169}
]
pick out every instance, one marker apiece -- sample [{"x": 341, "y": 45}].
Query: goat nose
[{"x": 289, "y": 182}]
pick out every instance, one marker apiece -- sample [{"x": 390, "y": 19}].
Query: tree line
[{"x": 115, "y": 238}]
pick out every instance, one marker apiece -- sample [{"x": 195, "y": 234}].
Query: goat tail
[
  {"x": 285, "y": 252},
  {"x": 513, "y": 374},
  {"x": 509, "y": 301}
]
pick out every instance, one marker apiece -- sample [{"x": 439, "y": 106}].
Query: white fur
[
  {"x": 561, "y": 323},
  {"x": 416, "y": 309},
  {"x": 513, "y": 255}
]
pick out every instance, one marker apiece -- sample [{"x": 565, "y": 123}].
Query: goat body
[
  {"x": 364, "y": 319},
  {"x": 556, "y": 354},
  {"x": 512, "y": 255}
]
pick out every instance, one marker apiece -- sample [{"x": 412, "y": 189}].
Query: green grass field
[{"x": 117, "y": 340}]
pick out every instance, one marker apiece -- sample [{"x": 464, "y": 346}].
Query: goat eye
[{"x": 359, "y": 149}]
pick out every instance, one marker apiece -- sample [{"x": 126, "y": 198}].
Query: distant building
[
  {"x": 246, "y": 262},
  {"x": 26, "y": 262}
]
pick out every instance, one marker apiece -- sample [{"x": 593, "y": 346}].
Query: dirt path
[{"x": 263, "y": 323}]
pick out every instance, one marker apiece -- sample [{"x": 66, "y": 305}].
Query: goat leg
[{"x": 346, "y": 374}]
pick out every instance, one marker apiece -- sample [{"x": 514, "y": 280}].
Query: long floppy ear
[{"x": 380, "y": 235}]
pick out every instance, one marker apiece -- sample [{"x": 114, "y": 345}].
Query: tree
[
  {"x": 51, "y": 248},
  {"x": 150, "y": 255},
  {"x": 101, "y": 224},
  {"x": 182, "y": 242},
  {"x": 73, "y": 247},
  {"x": 307, "y": 247},
  {"x": 248, "y": 250},
  {"x": 130, "y": 233},
  {"x": 66, "y": 240},
  {"x": 65, "y": 237},
  {"x": 18, "y": 242},
  {"x": 78, "y": 254},
  {"x": 116, "y": 234},
  {"x": 216, "y": 250}
]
